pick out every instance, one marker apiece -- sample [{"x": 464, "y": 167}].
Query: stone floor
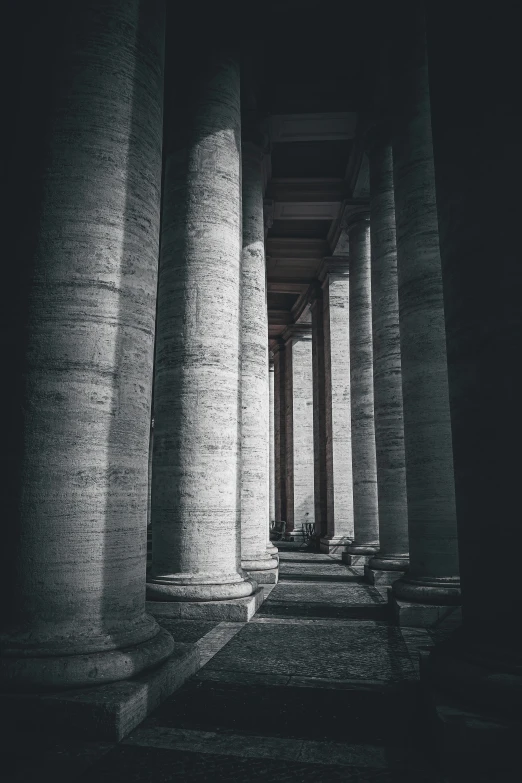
[{"x": 319, "y": 686}]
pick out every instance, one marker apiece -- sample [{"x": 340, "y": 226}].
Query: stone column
[
  {"x": 365, "y": 504},
  {"x": 78, "y": 331},
  {"x": 319, "y": 410},
  {"x": 392, "y": 559},
  {"x": 299, "y": 430},
  {"x": 334, "y": 275},
  {"x": 479, "y": 200},
  {"x": 196, "y": 533},
  {"x": 432, "y": 579},
  {"x": 280, "y": 434},
  {"x": 271, "y": 452},
  {"x": 255, "y": 558}
]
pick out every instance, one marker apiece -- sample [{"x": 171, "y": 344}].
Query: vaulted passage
[{"x": 261, "y": 332}]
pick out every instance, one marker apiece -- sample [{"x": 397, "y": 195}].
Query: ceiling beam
[{"x": 331, "y": 126}]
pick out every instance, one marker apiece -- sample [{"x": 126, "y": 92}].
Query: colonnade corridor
[{"x": 262, "y": 709}]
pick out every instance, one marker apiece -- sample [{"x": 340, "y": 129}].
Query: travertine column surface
[
  {"x": 336, "y": 324},
  {"x": 482, "y": 277},
  {"x": 319, "y": 395},
  {"x": 80, "y": 358},
  {"x": 387, "y": 377},
  {"x": 271, "y": 444},
  {"x": 433, "y": 573},
  {"x": 195, "y": 490},
  {"x": 254, "y": 361},
  {"x": 280, "y": 432},
  {"x": 365, "y": 504},
  {"x": 299, "y": 429}
]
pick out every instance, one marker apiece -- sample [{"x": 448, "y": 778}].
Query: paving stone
[
  {"x": 189, "y": 631},
  {"x": 342, "y": 651},
  {"x": 335, "y": 594},
  {"x": 155, "y": 765}
]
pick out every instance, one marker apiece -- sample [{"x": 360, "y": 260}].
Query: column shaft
[
  {"x": 433, "y": 573},
  {"x": 365, "y": 504},
  {"x": 387, "y": 377},
  {"x": 280, "y": 433},
  {"x": 482, "y": 277},
  {"x": 319, "y": 397},
  {"x": 78, "y": 332},
  {"x": 338, "y": 424},
  {"x": 299, "y": 430},
  {"x": 254, "y": 362},
  {"x": 271, "y": 483},
  {"x": 195, "y": 490}
]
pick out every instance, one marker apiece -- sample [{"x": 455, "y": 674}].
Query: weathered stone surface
[
  {"x": 195, "y": 492},
  {"x": 387, "y": 376},
  {"x": 380, "y": 576},
  {"x": 299, "y": 429},
  {"x": 80, "y": 358},
  {"x": 336, "y": 325},
  {"x": 319, "y": 412},
  {"x": 280, "y": 432},
  {"x": 105, "y": 712},
  {"x": 427, "y": 428},
  {"x": 254, "y": 362},
  {"x": 365, "y": 506},
  {"x": 271, "y": 499},
  {"x": 237, "y": 610},
  {"x": 418, "y": 615}
]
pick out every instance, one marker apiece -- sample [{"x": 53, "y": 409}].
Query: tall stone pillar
[
  {"x": 255, "y": 557},
  {"x": 334, "y": 275},
  {"x": 432, "y": 579},
  {"x": 280, "y": 434},
  {"x": 319, "y": 397},
  {"x": 365, "y": 503},
  {"x": 482, "y": 278},
  {"x": 271, "y": 452},
  {"x": 392, "y": 559},
  {"x": 77, "y": 336},
  {"x": 299, "y": 430},
  {"x": 196, "y": 534}
]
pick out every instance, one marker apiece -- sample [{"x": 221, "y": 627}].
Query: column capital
[
  {"x": 297, "y": 332},
  {"x": 354, "y": 216},
  {"x": 333, "y": 265}
]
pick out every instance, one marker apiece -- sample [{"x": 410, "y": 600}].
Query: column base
[
  {"x": 409, "y": 614},
  {"x": 235, "y": 609},
  {"x": 294, "y": 535},
  {"x": 379, "y": 576},
  {"x": 104, "y": 712},
  {"x": 333, "y": 545},
  {"x": 266, "y": 577},
  {"x": 439, "y": 591},
  {"x": 190, "y": 587},
  {"x": 359, "y": 554},
  {"x": 470, "y": 741}
]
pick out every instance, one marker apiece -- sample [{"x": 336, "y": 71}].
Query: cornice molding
[
  {"x": 333, "y": 265},
  {"x": 297, "y": 332}
]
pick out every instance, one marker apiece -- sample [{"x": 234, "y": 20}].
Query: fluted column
[
  {"x": 78, "y": 331},
  {"x": 432, "y": 577},
  {"x": 299, "y": 430},
  {"x": 482, "y": 278},
  {"x": 255, "y": 558},
  {"x": 365, "y": 503},
  {"x": 392, "y": 558},
  {"x": 195, "y": 491},
  {"x": 334, "y": 275}
]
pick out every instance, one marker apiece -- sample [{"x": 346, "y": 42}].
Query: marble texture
[
  {"x": 387, "y": 375},
  {"x": 299, "y": 428},
  {"x": 432, "y": 523},
  {"x": 364, "y": 469},
  {"x": 82, "y": 351},
  {"x": 195, "y": 492},
  {"x": 254, "y": 361}
]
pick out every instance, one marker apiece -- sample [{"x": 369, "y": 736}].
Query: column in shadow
[{"x": 80, "y": 330}]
